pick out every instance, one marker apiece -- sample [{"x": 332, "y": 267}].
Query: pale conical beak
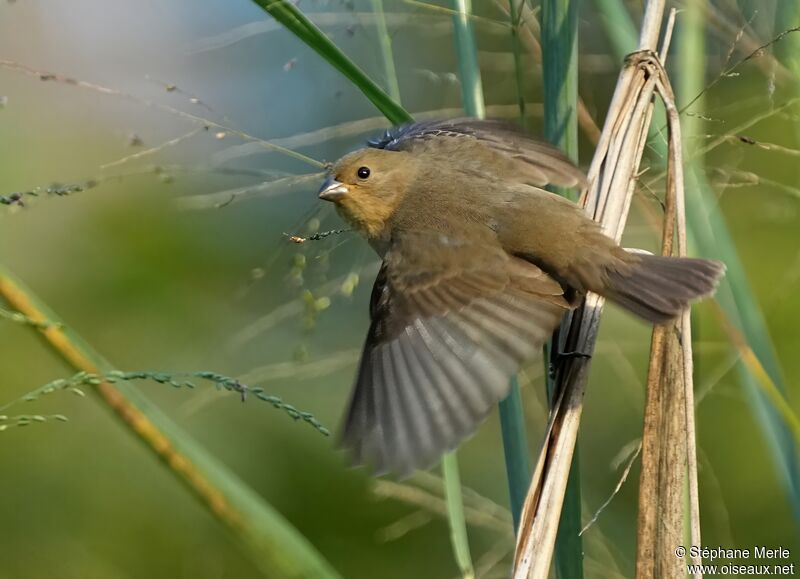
[{"x": 332, "y": 190}]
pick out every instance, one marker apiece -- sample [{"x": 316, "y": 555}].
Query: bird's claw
[{"x": 560, "y": 357}]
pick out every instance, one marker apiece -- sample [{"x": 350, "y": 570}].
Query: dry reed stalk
[
  {"x": 668, "y": 439},
  {"x": 661, "y": 486},
  {"x": 612, "y": 179}
]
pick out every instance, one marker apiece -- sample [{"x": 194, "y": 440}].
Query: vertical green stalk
[
  {"x": 468, "y": 70},
  {"x": 387, "y": 55},
  {"x": 514, "y": 11},
  {"x": 472, "y": 96},
  {"x": 709, "y": 233},
  {"x": 692, "y": 66},
  {"x": 560, "y": 72},
  {"x": 515, "y": 450},
  {"x": 615, "y": 17},
  {"x": 512, "y": 419},
  {"x": 452, "y": 480},
  {"x": 455, "y": 515}
]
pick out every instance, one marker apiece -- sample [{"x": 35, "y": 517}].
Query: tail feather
[{"x": 659, "y": 288}]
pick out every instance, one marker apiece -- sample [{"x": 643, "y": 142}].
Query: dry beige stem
[
  {"x": 612, "y": 177},
  {"x": 664, "y": 454},
  {"x": 682, "y": 385}
]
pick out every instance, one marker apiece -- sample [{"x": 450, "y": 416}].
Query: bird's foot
[
  {"x": 561, "y": 357},
  {"x": 568, "y": 355}
]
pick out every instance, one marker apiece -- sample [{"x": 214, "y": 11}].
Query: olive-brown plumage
[{"x": 479, "y": 265}]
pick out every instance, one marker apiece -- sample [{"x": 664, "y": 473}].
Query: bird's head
[{"x": 367, "y": 186}]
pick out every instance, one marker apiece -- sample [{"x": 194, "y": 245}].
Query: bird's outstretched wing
[
  {"x": 451, "y": 324},
  {"x": 534, "y": 162}
]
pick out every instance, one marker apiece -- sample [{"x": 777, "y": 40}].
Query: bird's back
[{"x": 452, "y": 199}]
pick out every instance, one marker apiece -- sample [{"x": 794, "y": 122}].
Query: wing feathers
[
  {"x": 454, "y": 412},
  {"x": 533, "y": 161},
  {"x": 441, "y": 350}
]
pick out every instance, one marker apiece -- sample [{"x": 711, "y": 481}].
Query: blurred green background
[{"x": 156, "y": 283}]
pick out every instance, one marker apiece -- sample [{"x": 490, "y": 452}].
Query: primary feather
[{"x": 442, "y": 346}]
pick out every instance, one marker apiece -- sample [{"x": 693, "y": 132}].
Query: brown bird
[{"x": 479, "y": 265}]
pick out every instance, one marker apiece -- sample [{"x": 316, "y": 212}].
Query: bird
[{"x": 479, "y": 265}]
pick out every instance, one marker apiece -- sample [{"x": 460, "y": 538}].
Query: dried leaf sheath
[
  {"x": 668, "y": 446},
  {"x": 612, "y": 179}
]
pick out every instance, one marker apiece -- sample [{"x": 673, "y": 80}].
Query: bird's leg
[
  {"x": 568, "y": 355},
  {"x": 558, "y": 358}
]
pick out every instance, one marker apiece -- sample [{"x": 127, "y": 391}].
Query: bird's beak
[{"x": 332, "y": 190}]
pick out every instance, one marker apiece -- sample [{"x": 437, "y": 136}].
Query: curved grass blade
[
  {"x": 273, "y": 545},
  {"x": 298, "y": 24}
]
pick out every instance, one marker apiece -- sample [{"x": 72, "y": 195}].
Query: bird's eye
[{"x": 363, "y": 172}]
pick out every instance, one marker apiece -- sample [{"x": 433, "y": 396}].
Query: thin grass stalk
[
  {"x": 454, "y": 500},
  {"x": 515, "y": 450},
  {"x": 560, "y": 73},
  {"x": 472, "y": 102},
  {"x": 515, "y": 8},
  {"x": 455, "y": 515},
  {"x": 560, "y": 67},
  {"x": 612, "y": 177},
  {"x": 615, "y": 16},
  {"x": 691, "y": 64},
  {"x": 708, "y": 232},
  {"x": 387, "y": 54},
  {"x": 529, "y": 32},
  {"x": 271, "y": 543},
  {"x": 467, "y": 51},
  {"x": 512, "y": 418},
  {"x": 296, "y": 22}
]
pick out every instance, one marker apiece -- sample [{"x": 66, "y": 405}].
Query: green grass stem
[
  {"x": 455, "y": 515},
  {"x": 387, "y": 54},
  {"x": 514, "y": 10},
  {"x": 560, "y": 72},
  {"x": 515, "y": 450},
  {"x": 469, "y": 71},
  {"x": 512, "y": 418}
]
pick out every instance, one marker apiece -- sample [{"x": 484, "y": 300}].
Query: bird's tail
[{"x": 658, "y": 288}]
